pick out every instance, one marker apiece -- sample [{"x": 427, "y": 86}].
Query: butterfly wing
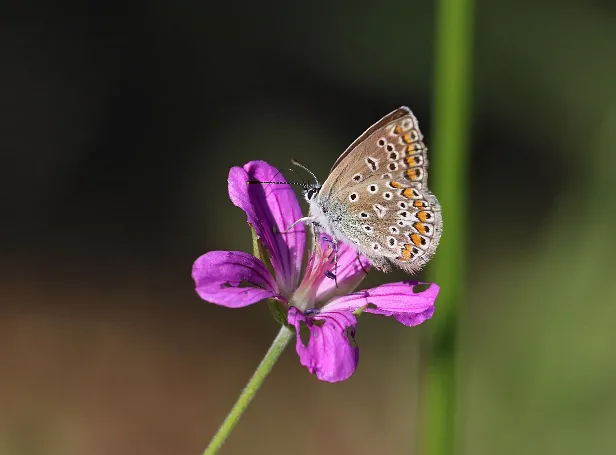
[
  {"x": 358, "y": 143},
  {"x": 393, "y": 147},
  {"x": 381, "y": 181}
]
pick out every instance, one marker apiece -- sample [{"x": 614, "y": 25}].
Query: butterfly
[{"x": 376, "y": 196}]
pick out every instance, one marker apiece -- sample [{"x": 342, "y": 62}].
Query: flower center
[{"x": 317, "y": 270}]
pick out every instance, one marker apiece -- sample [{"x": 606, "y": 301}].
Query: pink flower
[{"x": 329, "y": 312}]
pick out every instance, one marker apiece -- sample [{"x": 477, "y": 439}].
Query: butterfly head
[{"x": 310, "y": 192}]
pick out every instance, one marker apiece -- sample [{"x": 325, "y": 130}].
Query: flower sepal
[
  {"x": 358, "y": 312},
  {"x": 277, "y": 308},
  {"x": 279, "y": 312},
  {"x": 258, "y": 250}
]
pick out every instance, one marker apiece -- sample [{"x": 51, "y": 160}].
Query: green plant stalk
[
  {"x": 450, "y": 143},
  {"x": 280, "y": 343}
]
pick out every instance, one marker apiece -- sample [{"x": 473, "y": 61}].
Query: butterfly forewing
[
  {"x": 359, "y": 142},
  {"x": 391, "y": 147},
  {"x": 382, "y": 181}
]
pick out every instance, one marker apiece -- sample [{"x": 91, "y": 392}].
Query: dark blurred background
[{"x": 119, "y": 123}]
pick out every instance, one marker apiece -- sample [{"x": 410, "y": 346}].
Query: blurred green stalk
[{"x": 450, "y": 141}]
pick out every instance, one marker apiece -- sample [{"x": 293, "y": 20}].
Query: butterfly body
[{"x": 376, "y": 196}]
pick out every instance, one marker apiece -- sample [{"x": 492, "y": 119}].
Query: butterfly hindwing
[{"x": 389, "y": 221}]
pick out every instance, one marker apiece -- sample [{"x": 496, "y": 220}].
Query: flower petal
[
  {"x": 218, "y": 275},
  {"x": 331, "y": 352},
  {"x": 402, "y": 300},
  {"x": 271, "y": 209},
  {"x": 350, "y": 271}
]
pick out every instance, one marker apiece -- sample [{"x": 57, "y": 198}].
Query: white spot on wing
[{"x": 379, "y": 210}]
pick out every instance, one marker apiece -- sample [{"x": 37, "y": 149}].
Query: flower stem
[
  {"x": 451, "y": 126},
  {"x": 280, "y": 343}
]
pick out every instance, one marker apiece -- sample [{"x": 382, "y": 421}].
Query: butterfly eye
[{"x": 310, "y": 193}]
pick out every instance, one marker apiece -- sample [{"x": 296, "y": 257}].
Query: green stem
[
  {"x": 451, "y": 126},
  {"x": 280, "y": 343}
]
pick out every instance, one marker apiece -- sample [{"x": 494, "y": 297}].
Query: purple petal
[
  {"x": 402, "y": 300},
  {"x": 271, "y": 209},
  {"x": 218, "y": 275},
  {"x": 348, "y": 270},
  {"x": 331, "y": 352}
]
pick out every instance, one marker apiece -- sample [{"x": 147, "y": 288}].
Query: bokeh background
[{"x": 118, "y": 125}]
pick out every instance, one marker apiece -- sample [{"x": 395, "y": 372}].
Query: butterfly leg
[
  {"x": 301, "y": 220},
  {"x": 315, "y": 232},
  {"x": 329, "y": 274},
  {"x": 335, "y": 243}
]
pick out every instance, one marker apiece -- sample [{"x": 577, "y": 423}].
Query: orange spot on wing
[
  {"x": 420, "y": 204},
  {"x": 412, "y": 174},
  {"x": 407, "y": 138},
  {"x": 395, "y": 184},
  {"x": 406, "y": 254},
  {"x": 412, "y": 160},
  {"x": 422, "y": 216},
  {"x": 407, "y": 193},
  {"x": 416, "y": 239},
  {"x": 398, "y": 129},
  {"x": 420, "y": 227}
]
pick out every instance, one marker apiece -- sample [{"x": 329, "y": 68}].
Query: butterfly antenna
[
  {"x": 300, "y": 176},
  {"x": 254, "y": 182},
  {"x": 296, "y": 163}
]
